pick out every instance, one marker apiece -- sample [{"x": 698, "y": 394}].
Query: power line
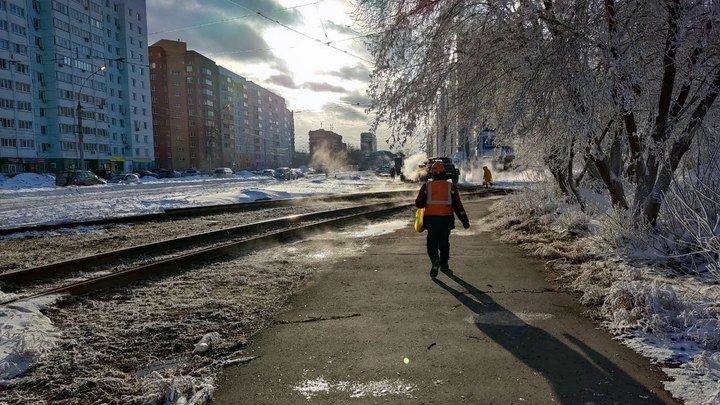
[
  {"x": 249, "y": 50},
  {"x": 321, "y": 23},
  {"x": 328, "y": 44}
]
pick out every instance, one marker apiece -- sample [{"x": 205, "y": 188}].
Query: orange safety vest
[{"x": 439, "y": 198}]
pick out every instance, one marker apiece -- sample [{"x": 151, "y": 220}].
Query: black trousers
[{"x": 438, "y": 237}]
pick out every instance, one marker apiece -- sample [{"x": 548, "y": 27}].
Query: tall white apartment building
[{"x": 74, "y": 86}]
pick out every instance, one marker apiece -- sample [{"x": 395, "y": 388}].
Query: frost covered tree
[{"x": 619, "y": 89}]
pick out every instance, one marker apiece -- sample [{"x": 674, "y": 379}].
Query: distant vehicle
[
  {"x": 284, "y": 173},
  {"x": 191, "y": 173},
  {"x": 145, "y": 173},
  {"x": 166, "y": 174},
  {"x": 268, "y": 172},
  {"x": 298, "y": 173},
  {"x": 500, "y": 154},
  {"x": 78, "y": 178},
  {"x": 128, "y": 178},
  {"x": 223, "y": 172},
  {"x": 452, "y": 172}
]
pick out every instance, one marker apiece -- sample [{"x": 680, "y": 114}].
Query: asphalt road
[{"x": 377, "y": 329}]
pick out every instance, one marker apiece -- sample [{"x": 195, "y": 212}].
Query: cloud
[
  {"x": 357, "y": 99},
  {"x": 167, "y": 16},
  {"x": 281, "y": 66},
  {"x": 339, "y": 28},
  {"x": 226, "y": 29},
  {"x": 347, "y": 112},
  {"x": 282, "y": 80},
  {"x": 358, "y": 72},
  {"x": 316, "y": 86}
]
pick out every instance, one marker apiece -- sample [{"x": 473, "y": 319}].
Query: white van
[{"x": 223, "y": 172}]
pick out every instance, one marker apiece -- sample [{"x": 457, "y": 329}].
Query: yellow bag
[{"x": 419, "y": 219}]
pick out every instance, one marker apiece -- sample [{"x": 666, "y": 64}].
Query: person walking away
[
  {"x": 487, "y": 177},
  {"x": 441, "y": 199}
]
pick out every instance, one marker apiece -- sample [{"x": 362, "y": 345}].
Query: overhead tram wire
[
  {"x": 328, "y": 43},
  {"x": 286, "y": 47},
  {"x": 321, "y": 23}
]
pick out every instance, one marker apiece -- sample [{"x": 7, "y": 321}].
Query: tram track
[
  {"x": 208, "y": 246},
  {"x": 121, "y": 266}
]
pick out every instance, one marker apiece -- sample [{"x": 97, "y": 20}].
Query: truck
[{"x": 452, "y": 172}]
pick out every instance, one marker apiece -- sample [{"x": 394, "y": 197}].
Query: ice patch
[
  {"x": 317, "y": 386},
  {"x": 533, "y": 317}
]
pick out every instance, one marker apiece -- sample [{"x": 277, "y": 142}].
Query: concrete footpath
[{"x": 378, "y": 329}]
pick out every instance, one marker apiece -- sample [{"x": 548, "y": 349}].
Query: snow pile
[
  {"x": 26, "y": 335},
  {"x": 624, "y": 278},
  {"x": 245, "y": 174},
  {"x": 27, "y": 180}
]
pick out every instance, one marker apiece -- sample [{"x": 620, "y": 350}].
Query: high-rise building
[
  {"x": 232, "y": 119},
  {"x": 271, "y": 130},
  {"x": 368, "y": 142},
  {"x": 186, "y": 107},
  {"x": 321, "y": 139},
  {"x": 169, "y": 105},
  {"x": 208, "y": 116},
  {"x": 74, "y": 86}
]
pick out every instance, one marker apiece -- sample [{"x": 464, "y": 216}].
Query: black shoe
[
  {"x": 434, "y": 270},
  {"x": 445, "y": 269}
]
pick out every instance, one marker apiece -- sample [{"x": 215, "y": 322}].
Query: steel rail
[
  {"x": 176, "y": 263},
  {"x": 17, "y": 277}
]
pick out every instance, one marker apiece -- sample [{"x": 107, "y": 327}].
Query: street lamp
[{"x": 79, "y": 118}]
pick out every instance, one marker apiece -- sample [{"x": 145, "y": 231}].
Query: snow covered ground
[
  {"x": 31, "y": 199},
  {"x": 672, "y": 320}
]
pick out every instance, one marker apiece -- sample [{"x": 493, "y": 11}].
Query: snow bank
[
  {"x": 27, "y": 180},
  {"x": 669, "y": 317}
]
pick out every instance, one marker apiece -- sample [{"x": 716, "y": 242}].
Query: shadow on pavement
[{"x": 575, "y": 377}]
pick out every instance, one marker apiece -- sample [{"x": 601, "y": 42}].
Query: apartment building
[
  {"x": 232, "y": 120},
  {"x": 186, "y": 107},
  {"x": 74, "y": 86},
  {"x": 269, "y": 135},
  {"x": 368, "y": 142},
  {"x": 322, "y": 139},
  {"x": 207, "y": 116}
]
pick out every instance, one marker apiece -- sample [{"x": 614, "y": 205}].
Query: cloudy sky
[{"x": 282, "y": 45}]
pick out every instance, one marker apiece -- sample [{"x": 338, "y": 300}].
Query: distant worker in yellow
[
  {"x": 487, "y": 177},
  {"x": 440, "y": 198}
]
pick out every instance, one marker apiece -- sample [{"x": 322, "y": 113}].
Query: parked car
[
  {"x": 191, "y": 173},
  {"x": 126, "y": 178},
  {"x": 78, "y": 178},
  {"x": 298, "y": 173},
  {"x": 268, "y": 172},
  {"x": 284, "y": 173},
  {"x": 223, "y": 172},
  {"x": 166, "y": 174},
  {"x": 145, "y": 173}
]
